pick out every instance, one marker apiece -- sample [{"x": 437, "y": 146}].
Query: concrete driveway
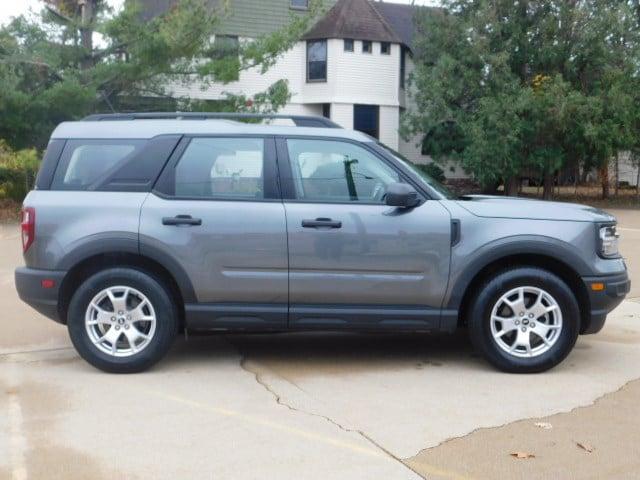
[{"x": 315, "y": 406}]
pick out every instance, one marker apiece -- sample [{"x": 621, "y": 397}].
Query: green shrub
[
  {"x": 433, "y": 170},
  {"x": 18, "y": 171}
]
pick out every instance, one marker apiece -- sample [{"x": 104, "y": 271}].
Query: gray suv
[{"x": 144, "y": 226}]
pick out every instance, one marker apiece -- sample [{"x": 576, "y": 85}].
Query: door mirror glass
[{"x": 401, "y": 195}]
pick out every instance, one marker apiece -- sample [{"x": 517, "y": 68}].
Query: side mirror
[{"x": 401, "y": 195}]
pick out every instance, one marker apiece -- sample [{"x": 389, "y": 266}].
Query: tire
[
  {"x": 501, "y": 325},
  {"x": 95, "y": 319}
]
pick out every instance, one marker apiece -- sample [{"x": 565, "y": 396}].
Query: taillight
[{"x": 28, "y": 227}]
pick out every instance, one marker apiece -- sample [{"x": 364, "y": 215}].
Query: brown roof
[{"x": 357, "y": 19}]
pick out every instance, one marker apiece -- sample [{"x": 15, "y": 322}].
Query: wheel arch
[
  {"x": 565, "y": 264},
  {"x": 85, "y": 267}
]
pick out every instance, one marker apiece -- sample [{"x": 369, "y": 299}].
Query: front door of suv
[
  {"x": 216, "y": 215},
  {"x": 354, "y": 261}
]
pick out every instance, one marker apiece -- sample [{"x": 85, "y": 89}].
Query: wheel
[
  {"x": 122, "y": 320},
  {"x": 524, "y": 320}
]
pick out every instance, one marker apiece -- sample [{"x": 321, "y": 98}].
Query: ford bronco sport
[{"x": 142, "y": 226}]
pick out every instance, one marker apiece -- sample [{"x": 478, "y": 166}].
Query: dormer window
[
  {"x": 317, "y": 61},
  {"x": 300, "y": 4},
  {"x": 366, "y": 46}
]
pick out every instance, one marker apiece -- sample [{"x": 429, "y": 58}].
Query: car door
[
  {"x": 354, "y": 261},
  {"x": 216, "y": 218}
]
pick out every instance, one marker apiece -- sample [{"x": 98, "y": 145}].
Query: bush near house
[{"x": 18, "y": 171}]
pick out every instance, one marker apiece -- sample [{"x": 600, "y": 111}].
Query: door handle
[
  {"x": 182, "y": 220},
  {"x": 321, "y": 222}
]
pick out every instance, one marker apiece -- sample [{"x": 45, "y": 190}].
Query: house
[{"x": 351, "y": 66}]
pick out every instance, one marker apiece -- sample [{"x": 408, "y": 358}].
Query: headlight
[{"x": 608, "y": 241}]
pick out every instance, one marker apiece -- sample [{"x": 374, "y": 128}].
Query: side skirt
[{"x": 277, "y": 317}]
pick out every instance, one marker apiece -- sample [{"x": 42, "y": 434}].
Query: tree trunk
[
  {"x": 617, "y": 167},
  {"x": 604, "y": 179},
  {"x": 547, "y": 182},
  {"x": 511, "y": 186},
  {"x": 87, "y": 9}
]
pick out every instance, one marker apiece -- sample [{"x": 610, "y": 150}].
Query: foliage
[
  {"x": 506, "y": 87},
  {"x": 18, "y": 171},
  {"x": 52, "y": 68},
  {"x": 433, "y": 170}
]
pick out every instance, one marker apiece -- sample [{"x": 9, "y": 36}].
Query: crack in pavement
[{"x": 278, "y": 398}]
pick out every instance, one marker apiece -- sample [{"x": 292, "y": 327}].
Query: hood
[{"x": 515, "y": 207}]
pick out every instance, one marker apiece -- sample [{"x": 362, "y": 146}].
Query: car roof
[{"x": 142, "y": 129}]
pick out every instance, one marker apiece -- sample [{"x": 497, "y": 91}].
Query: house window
[
  {"x": 317, "y": 61},
  {"x": 227, "y": 47},
  {"x": 366, "y": 46},
  {"x": 300, "y": 4},
  {"x": 366, "y": 118},
  {"x": 385, "y": 48},
  {"x": 326, "y": 110},
  {"x": 403, "y": 66},
  {"x": 348, "y": 44}
]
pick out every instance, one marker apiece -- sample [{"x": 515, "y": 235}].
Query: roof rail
[{"x": 298, "y": 120}]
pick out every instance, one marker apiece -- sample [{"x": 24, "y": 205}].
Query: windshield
[{"x": 428, "y": 179}]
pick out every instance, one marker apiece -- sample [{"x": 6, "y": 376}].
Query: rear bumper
[
  {"x": 29, "y": 284},
  {"x": 602, "y": 302}
]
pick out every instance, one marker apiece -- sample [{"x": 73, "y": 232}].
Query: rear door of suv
[{"x": 216, "y": 213}]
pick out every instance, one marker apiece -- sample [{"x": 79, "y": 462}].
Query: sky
[{"x": 12, "y": 8}]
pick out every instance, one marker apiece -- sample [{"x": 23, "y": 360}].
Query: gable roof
[
  {"x": 400, "y": 18},
  {"x": 357, "y": 19}
]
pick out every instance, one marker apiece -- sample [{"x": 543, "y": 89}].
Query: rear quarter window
[{"x": 85, "y": 163}]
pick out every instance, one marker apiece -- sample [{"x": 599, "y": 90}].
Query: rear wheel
[
  {"x": 122, "y": 320},
  {"x": 524, "y": 320}
]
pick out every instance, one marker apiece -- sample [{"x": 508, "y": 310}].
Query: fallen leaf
[
  {"x": 586, "y": 447},
  {"x": 522, "y": 455},
  {"x": 544, "y": 425}
]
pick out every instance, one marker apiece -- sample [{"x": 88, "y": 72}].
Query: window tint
[
  {"x": 366, "y": 46},
  {"x": 385, "y": 48},
  {"x": 84, "y": 163},
  {"x": 221, "y": 168},
  {"x": 348, "y": 44},
  {"x": 317, "y": 60},
  {"x": 332, "y": 171}
]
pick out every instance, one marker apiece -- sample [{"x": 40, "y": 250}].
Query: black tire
[
  {"x": 166, "y": 320},
  {"x": 479, "y": 319}
]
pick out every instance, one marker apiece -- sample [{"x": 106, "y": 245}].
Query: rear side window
[
  {"x": 221, "y": 168},
  {"x": 85, "y": 163}
]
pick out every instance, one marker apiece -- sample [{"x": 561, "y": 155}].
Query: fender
[
  {"x": 465, "y": 268},
  {"x": 127, "y": 242}
]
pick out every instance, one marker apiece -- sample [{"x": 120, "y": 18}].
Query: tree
[
  {"x": 52, "y": 68},
  {"x": 527, "y": 85}
]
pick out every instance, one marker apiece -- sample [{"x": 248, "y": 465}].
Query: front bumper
[
  {"x": 603, "y": 301},
  {"x": 31, "y": 290}
]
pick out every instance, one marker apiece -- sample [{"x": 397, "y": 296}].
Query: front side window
[
  {"x": 366, "y": 46},
  {"x": 84, "y": 163},
  {"x": 227, "y": 48},
  {"x": 334, "y": 171},
  {"x": 317, "y": 60},
  {"x": 301, "y": 4},
  {"x": 221, "y": 168}
]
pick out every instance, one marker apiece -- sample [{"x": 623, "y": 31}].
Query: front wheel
[
  {"x": 524, "y": 320},
  {"x": 122, "y": 320}
]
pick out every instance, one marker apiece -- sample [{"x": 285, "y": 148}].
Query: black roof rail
[{"x": 298, "y": 120}]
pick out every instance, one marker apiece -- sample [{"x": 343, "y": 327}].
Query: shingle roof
[
  {"x": 400, "y": 18},
  {"x": 357, "y": 19}
]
